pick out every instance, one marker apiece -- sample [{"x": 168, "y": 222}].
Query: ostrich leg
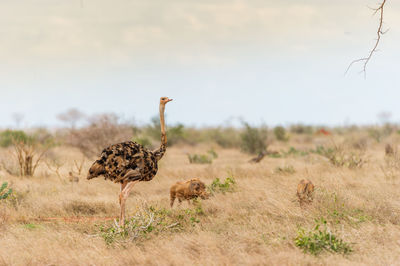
[
  {"x": 125, "y": 190},
  {"x": 121, "y": 205}
]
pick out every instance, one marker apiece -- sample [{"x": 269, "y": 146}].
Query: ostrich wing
[{"x": 131, "y": 175}]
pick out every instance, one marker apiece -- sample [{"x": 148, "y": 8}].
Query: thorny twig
[
  {"x": 379, "y": 33},
  {"x": 55, "y": 169},
  {"x": 79, "y": 166}
]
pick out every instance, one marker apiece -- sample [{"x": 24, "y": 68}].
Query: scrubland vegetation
[{"x": 252, "y": 216}]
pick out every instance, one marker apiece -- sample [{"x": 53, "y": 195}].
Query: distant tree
[
  {"x": 254, "y": 140},
  {"x": 101, "y": 131},
  {"x": 17, "y": 117},
  {"x": 71, "y": 116},
  {"x": 384, "y": 117}
]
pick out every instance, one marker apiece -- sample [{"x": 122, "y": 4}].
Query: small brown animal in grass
[
  {"x": 389, "y": 151},
  {"x": 188, "y": 190},
  {"x": 305, "y": 190},
  {"x": 73, "y": 178}
]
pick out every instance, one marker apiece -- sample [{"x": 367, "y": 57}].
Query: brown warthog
[{"x": 188, "y": 190}]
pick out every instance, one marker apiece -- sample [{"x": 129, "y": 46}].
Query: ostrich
[{"x": 129, "y": 163}]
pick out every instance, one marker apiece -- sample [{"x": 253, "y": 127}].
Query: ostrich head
[{"x": 164, "y": 100}]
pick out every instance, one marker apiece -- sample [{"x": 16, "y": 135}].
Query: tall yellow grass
[{"x": 255, "y": 225}]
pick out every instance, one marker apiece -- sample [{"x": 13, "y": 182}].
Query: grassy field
[{"x": 255, "y": 222}]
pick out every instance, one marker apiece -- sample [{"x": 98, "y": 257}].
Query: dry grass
[{"x": 255, "y": 225}]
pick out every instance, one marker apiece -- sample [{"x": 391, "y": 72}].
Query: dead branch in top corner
[{"x": 379, "y": 33}]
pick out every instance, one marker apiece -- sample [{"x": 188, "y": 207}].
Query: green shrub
[
  {"x": 144, "y": 141},
  {"x": 280, "y": 133},
  {"x": 199, "y": 158},
  {"x": 212, "y": 153},
  {"x": 218, "y": 187},
  {"x": 7, "y": 137},
  {"x": 150, "y": 220},
  {"x": 254, "y": 140},
  {"x": 318, "y": 240},
  {"x": 4, "y": 193},
  {"x": 203, "y": 158}
]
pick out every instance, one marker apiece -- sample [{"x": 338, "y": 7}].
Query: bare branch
[
  {"x": 55, "y": 168},
  {"x": 379, "y": 34},
  {"x": 79, "y": 166}
]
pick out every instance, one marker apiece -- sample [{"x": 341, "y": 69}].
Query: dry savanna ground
[{"x": 255, "y": 222}]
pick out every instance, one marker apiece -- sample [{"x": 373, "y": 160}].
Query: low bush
[
  {"x": 280, "y": 133},
  {"x": 202, "y": 158},
  {"x": 222, "y": 187},
  {"x": 342, "y": 157},
  {"x": 150, "y": 220},
  {"x": 199, "y": 158},
  {"x": 254, "y": 140},
  {"x": 7, "y": 137},
  {"x": 349, "y": 159},
  {"x": 318, "y": 240}
]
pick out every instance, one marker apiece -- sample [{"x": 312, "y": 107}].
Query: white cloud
[{"x": 63, "y": 31}]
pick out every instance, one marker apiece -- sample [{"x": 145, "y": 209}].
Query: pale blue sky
[{"x": 273, "y": 62}]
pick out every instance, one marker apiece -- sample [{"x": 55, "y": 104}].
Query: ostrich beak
[{"x": 169, "y": 100}]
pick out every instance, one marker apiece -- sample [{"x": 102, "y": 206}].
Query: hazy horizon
[{"x": 263, "y": 61}]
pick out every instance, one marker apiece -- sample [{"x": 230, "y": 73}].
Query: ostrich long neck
[
  {"x": 159, "y": 153},
  {"x": 162, "y": 122}
]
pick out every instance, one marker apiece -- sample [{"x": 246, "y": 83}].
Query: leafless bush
[
  {"x": 341, "y": 156},
  {"x": 29, "y": 156},
  {"x": 54, "y": 166},
  {"x": 102, "y": 131}
]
